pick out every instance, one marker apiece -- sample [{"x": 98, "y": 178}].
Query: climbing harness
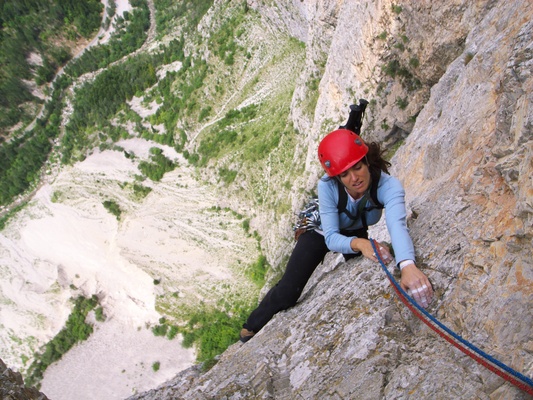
[{"x": 521, "y": 381}]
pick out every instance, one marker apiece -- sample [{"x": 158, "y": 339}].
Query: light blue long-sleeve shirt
[{"x": 390, "y": 193}]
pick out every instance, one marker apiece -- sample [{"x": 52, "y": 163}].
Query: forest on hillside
[
  {"x": 35, "y": 41},
  {"x": 100, "y": 113},
  {"x": 99, "y": 116},
  {"x": 49, "y": 30},
  {"x": 88, "y": 108}
]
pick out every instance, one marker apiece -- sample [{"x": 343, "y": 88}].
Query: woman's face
[{"x": 356, "y": 179}]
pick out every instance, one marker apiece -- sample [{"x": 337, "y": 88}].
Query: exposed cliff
[
  {"x": 467, "y": 169},
  {"x": 448, "y": 81},
  {"x": 12, "y": 386}
]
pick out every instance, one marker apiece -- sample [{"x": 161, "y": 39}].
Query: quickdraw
[
  {"x": 519, "y": 380},
  {"x": 308, "y": 218}
]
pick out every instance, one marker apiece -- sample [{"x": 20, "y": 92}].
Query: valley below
[{"x": 174, "y": 245}]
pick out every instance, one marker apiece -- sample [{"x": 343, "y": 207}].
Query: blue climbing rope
[{"x": 521, "y": 381}]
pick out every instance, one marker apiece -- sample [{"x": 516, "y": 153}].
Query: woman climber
[{"x": 351, "y": 196}]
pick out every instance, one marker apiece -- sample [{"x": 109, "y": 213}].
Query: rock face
[
  {"x": 12, "y": 386},
  {"x": 467, "y": 168},
  {"x": 454, "y": 80}
]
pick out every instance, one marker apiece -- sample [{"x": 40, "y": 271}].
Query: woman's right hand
[
  {"x": 417, "y": 285},
  {"x": 413, "y": 281}
]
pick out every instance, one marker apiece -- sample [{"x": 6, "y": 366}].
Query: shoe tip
[{"x": 246, "y": 335}]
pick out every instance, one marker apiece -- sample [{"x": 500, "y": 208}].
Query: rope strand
[{"x": 521, "y": 381}]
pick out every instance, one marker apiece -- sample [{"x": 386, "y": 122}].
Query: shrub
[
  {"x": 172, "y": 332},
  {"x": 227, "y": 175},
  {"x": 113, "y": 208},
  {"x": 158, "y": 166},
  {"x": 99, "y": 314},
  {"x": 402, "y": 103},
  {"x": 213, "y": 331},
  {"x": 246, "y": 225},
  {"x": 141, "y": 191},
  {"x": 160, "y": 330},
  {"x": 392, "y": 67},
  {"x": 257, "y": 270},
  {"x": 75, "y": 330}
]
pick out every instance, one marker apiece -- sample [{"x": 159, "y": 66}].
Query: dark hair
[{"x": 374, "y": 158}]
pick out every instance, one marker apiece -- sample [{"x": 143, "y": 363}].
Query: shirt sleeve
[
  {"x": 328, "y": 198},
  {"x": 392, "y": 195}
]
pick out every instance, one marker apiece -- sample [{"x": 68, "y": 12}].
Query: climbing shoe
[{"x": 246, "y": 335}]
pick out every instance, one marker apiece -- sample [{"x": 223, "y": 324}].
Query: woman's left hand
[
  {"x": 365, "y": 247},
  {"x": 384, "y": 253},
  {"x": 417, "y": 284}
]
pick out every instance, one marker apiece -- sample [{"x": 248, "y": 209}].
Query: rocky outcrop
[
  {"x": 452, "y": 79},
  {"x": 12, "y": 386},
  {"x": 467, "y": 168}
]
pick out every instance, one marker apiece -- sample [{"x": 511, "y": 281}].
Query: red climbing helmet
[{"x": 340, "y": 150}]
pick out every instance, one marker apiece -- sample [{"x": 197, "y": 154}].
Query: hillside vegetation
[
  {"x": 200, "y": 106},
  {"x": 37, "y": 39},
  {"x": 220, "y": 86},
  {"x": 223, "y": 101},
  {"x": 236, "y": 95}
]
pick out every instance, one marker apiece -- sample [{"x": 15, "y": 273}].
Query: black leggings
[{"x": 309, "y": 251}]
